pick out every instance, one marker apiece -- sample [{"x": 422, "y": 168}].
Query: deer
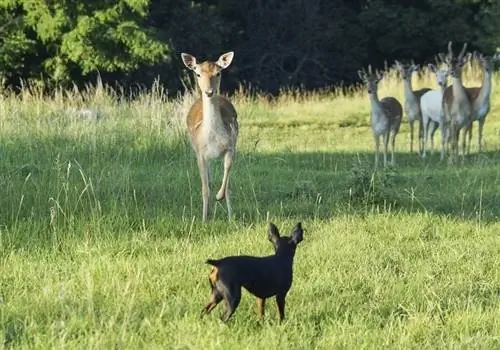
[
  {"x": 480, "y": 98},
  {"x": 212, "y": 126},
  {"x": 432, "y": 109},
  {"x": 412, "y": 101},
  {"x": 457, "y": 105},
  {"x": 386, "y": 114}
]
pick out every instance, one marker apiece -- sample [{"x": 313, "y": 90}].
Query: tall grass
[{"x": 101, "y": 244}]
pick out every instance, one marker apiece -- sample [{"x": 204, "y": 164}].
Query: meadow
[{"x": 101, "y": 243}]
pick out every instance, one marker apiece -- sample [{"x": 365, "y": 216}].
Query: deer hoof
[{"x": 220, "y": 195}]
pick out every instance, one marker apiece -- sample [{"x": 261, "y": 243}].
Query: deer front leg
[
  {"x": 420, "y": 137},
  {"x": 377, "y": 148},
  {"x": 205, "y": 185},
  {"x": 443, "y": 140},
  {"x": 224, "y": 189},
  {"x": 426, "y": 132}
]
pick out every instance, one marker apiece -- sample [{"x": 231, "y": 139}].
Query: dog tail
[{"x": 213, "y": 262}]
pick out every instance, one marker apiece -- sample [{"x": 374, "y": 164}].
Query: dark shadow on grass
[{"x": 61, "y": 180}]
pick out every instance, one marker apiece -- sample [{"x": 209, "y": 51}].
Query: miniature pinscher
[{"x": 263, "y": 277}]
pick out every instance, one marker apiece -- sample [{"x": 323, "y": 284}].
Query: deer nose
[{"x": 209, "y": 92}]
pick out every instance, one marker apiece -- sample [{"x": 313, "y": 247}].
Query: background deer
[
  {"x": 431, "y": 105},
  {"x": 386, "y": 114},
  {"x": 412, "y": 102},
  {"x": 457, "y": 106},
  {"x": 212, "y": 126},
  {"x": 480, "y": 98}
]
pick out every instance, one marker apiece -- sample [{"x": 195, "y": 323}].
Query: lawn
[{"x": 101, "y": 244}]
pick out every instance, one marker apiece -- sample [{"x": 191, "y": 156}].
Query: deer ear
[
  {"x": 361, "y": 75},
  {"x": 380, "y": 76},
  {"x": 298, "y": 233},
  {"x": 225, "y": 59},
  {"x": 189, "y": 60},
  {"x": 273, "y": 234},
  {"x": 466, "y": 58},
  {"x": 443, "y": 57}
]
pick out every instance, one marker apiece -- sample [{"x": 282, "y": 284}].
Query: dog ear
[
  {"x": 274, "y": 234},
  {"x": 298, "y": 233}
]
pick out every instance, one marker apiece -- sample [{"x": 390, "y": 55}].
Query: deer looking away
[
  {"x": 480, "y": 98},
  {"x": 432, "y": 109},
  {"x": 212, "y": 126},
  {"x": 457, "y": 106},
  {"x": 386, "y": 114},
  {"x": 412, "y": 101}
]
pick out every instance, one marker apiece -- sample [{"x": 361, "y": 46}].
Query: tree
[{"x": 68, "y": 38}]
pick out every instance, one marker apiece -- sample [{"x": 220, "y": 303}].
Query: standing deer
[
  {"x": 212, "y": 126},
  {"x": 480, "y": 98},
  {"x": 431, "y": 105},
  {"x": 412, "y": 102},
  {"x": 457, "y": 106},
  {"x": 386, "y": 114}
]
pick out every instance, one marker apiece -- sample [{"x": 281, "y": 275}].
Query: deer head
[
  {"x": 371, "y": 79},
  {"x": 455, "y": 64}
]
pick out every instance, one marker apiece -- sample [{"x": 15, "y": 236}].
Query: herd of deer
[
  {"x": 213, "y": 126},
  {"x": 452, "y": 108}
]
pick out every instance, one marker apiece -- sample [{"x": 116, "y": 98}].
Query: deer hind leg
[
  {"x": 480, "y": 134},
  {"x": 205, "y": 185},
  {"x": 464, "y": 140},
  {"x": 386, "y": 142},
  {"x": 393, "y": 143},
  {"x": 224, "y": 191},
  {"x": 468, "y": 132},
  {"x": 411, "y": 136}
]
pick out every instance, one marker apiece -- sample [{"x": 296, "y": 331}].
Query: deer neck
[
  {"x": 377, "y": 111},
  {"x": 442, "y": 89},
  {"x": 459, "y": 94},
  {"x": 411, "y": 102},
  {"x": 211, "y": 112},
  {"x": 482, "y": 101}
]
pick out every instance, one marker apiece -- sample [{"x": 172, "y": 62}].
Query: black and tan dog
[{"x": 264, "y": 277}]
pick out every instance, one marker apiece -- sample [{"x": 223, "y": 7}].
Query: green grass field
[{"x": 102, "y": 247}]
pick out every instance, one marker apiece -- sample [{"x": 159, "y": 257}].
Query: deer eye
[
  {"x": 198, "y": 75},
  {"x": 217, "y": 74}
]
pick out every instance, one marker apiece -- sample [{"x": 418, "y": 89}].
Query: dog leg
[
  {"x": 280, "y": 301},
  {"x": 214, "y": 301},
  {"x": 232, "y": 301},
  {"x": 261, "y": 303}
]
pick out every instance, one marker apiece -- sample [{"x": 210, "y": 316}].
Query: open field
[{"x": 101, "y": 245}]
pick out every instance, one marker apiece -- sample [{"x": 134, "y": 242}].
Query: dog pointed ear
[
  {"x": 273, "y": 234},
  {"x": 298, "y": 233}
]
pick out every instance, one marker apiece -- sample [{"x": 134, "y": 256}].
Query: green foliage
[
  {"x": 90, "y": 36},
  {"x": 278, "y": 44}
]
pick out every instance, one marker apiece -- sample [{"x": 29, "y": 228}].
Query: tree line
[{"x": 278, "y": 44}]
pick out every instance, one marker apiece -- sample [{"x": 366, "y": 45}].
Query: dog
[{"x": 263, "y": 277}]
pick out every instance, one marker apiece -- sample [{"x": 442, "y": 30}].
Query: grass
[{"x": 101, "y": 244}]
